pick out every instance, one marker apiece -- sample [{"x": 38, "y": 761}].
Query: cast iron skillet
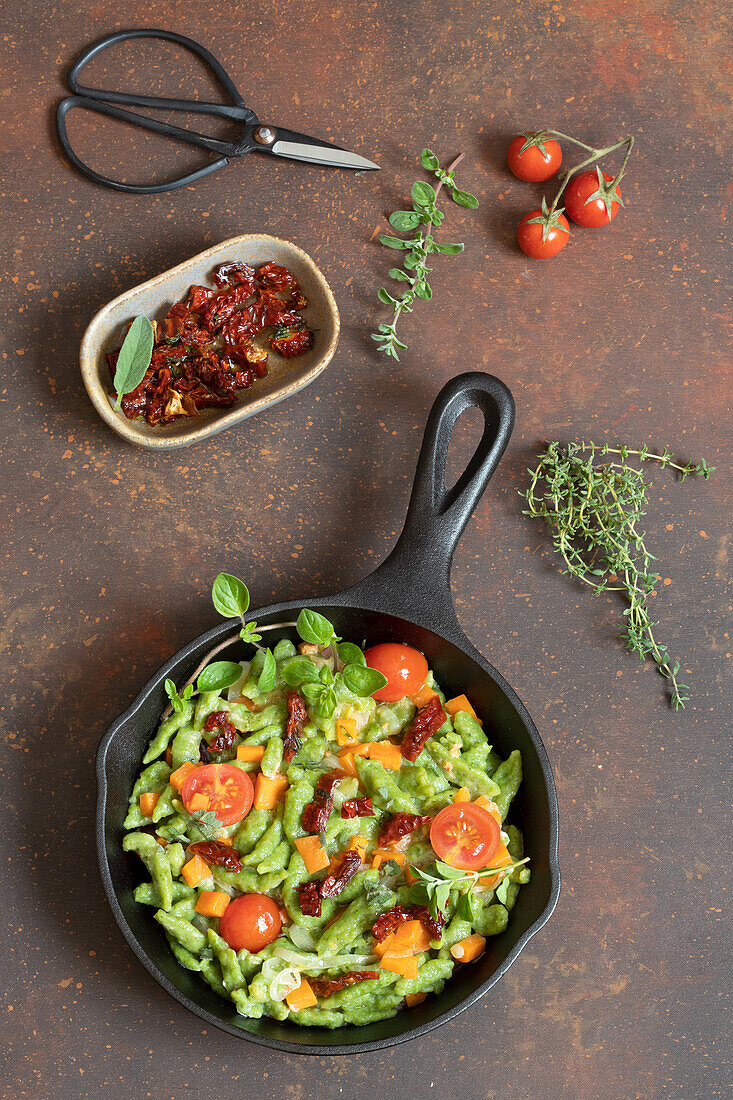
[{"x": 406, "y": 599}]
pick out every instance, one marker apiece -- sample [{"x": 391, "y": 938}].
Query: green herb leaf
[
  {"x": 219, "y": 675},
  {"x": 448, "y": 249},
  {"x": 266, "y": 681},
  {"x": 134, "y": 357},
  {"x": 464, "y": 198},
  {"x": 447, "y": 871},
  {"x": 393, "y": 242},
  {"x": 177, "y": 700},
  {"x": 442, "y": 893},
  {"x": 208, "y": 823},
  {"x": 429, "y": 160},
  {"x": 363, "y": 681},
  {"x": 230, "y": 596},
  {"x": 351, "y": 654},
  {"x": 299, "y": 670},
  {"x": 314, "y": 628},
  {"x": 404, "y": 220},
  {"x": 422, "y": 193}
]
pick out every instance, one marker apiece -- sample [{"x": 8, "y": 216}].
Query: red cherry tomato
[
  {"x": 529, "y": 236},
  {"x": 533, "y": 165},
  {"x": 228, "y": 789},
  {"x": 465, "y": 836},
  {"x": 404, "y": 667},
  {"x": 585, "y": 210},
  {"x": 250, "y": 922}
]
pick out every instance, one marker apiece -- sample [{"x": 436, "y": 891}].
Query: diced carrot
[
  {"x": 148, "y": 802},
  {"x": 179, "y": 776},
  {"x": 198, "y": 801},
  {"x": 347, "y": 732},
  {"x": 195, "y": 871},
  {"x": 315, "y": 857},
  {"x": 346, "y": 760},
  {"x": 422, "y": 697},
  {"x": 226, "y": 840},
  {"x": 163, "y": 843},
  {"x": 381, "y": 855},
  {"x": 467, "y": 950},
  {"x": 358, "y": 844},
  {"x": 413, "y": 999},
  {"x": 460, "y": 702},
  {"x": 212, "y": 903},
  {"x": 286, "y": 918},
  {"x": 356, "y": 750},
  {"x": 387, "y": 754},
  {"x": 409, "y": 938},
  {"x": 464, "y": 795},
  {"x": 169, "y": 756},
  {"x": 301, "y": 997},
  {"x": 269, "y": 791},
  {"x": 487, "y": 804},
  {"x": 499, "y": 859},
  {"x": 406, "y": 966},
  {"x": 252, "y": 753}
]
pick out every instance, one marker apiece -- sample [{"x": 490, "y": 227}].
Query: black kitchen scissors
[{"x": 255, "y": 135}]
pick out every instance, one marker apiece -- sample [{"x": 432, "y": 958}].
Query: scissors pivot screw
[{"x": 264, "y": 135}]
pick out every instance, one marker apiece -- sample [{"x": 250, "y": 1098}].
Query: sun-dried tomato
[
  {"x": 309, "y": 899},
  {"x": 393, "y": 918},
  {"x": 198, "y": 296},
  {"x": 326, "y": 987},
  {"x": 426, "y": 722},
  {"x": 342, "y": 874},
  {"x": 235, "y": 274},
  {"x": 184, "y": 324},
  {"x": 400, "y": 825},
  {"x": 294, "y": 342},
  {"x": 219, "y": 719},
  {"x": 215, "y": 852},
  {"x": 316, "y": 814},
  {"x": 275, "y": 277},
  {"x": 297, "y": 717},
  {"x": 357, "y": 807}
]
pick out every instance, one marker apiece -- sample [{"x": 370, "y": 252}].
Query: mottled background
[{"x": 108, "y": 552}]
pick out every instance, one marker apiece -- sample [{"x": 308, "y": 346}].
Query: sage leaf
[
  {"x": 230, "y": 596},
  {"x": 219, "y": 675},
  {"x": 134, "y": 357}
]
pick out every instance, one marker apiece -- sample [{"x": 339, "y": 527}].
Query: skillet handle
[{"x": 436, "y": 516}]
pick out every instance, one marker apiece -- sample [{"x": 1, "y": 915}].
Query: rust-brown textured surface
[{"x": 108, "y": 552}]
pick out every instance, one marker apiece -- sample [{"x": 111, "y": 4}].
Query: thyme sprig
[
  {"x": 593, "y": 510},
  {"x": 419, "y": 221}
]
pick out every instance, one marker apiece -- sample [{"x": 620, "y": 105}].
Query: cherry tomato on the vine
[
  {"x": 404, "y": 667},
  {"x": 465, "y": 836},
  {"x": 585, "y": 201},
  {"x": 539, "y": 161},
  {"x": 250, "y": 922},
  {"x": 530, "y": 230}
]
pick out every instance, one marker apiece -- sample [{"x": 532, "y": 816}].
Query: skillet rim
[{"x": 462, "y": 642}]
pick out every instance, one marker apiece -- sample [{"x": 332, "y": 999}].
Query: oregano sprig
[
  {"x": 230, "y": 597},
  {"x": 435, "y": 887},
  {"x": 593, "y": 510},
  {"x": 419, "y": 221}
]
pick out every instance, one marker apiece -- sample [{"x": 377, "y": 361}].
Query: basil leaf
[
  {"x": 266, "y": 681},
  {"x": 429, "y": 160},
  {"x": 134, "y": 357},
  {"x": 404, "y": 220},
  {"x": 326, "y": 703},
  {"x": 422, "y": 193},
  {"x": 313, "y": 690},
  {"x": 230, "y": 596},
  {"x": 363, "y": 681},
  {"x": 299, "y": 670},
  {"x": 351, "y": 654},
  {"x": 219, "y": 675},
  {"x": 447, "y": 871},
  {"x": 448, "y": 249},
  {"x": 464, "y": 198},
  {"x": 314, "y": 628}
]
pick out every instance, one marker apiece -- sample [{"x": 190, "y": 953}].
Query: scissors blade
[{"x": 296, "y": 146}]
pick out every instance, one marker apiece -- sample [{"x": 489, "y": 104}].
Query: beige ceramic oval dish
[{"x": 154, "y": 298}]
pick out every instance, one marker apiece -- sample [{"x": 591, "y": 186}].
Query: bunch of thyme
[
  {"x": 418, "y": 221},
  {"x": 593, "y": 510}
]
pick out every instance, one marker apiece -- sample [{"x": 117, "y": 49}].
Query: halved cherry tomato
[
  {"x": 538, "y": 162},
  {"x": 529, "y": 236},
  {"x": 250, "y": 922},
  {"x": 582, "y": 207},
  {"x": 465, "y": 836},
  {"x": 228, "y": 789},
  {"x": 404, "y": 667}
]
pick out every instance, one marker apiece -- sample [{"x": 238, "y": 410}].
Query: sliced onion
[
  {"x": 331, "y": 761},
  {"x": 236, "y": 689},
  {"x": 271, "y": 968},
  {"x": 283, "y": 983},
  {"x": 200, "y": 922},
  {"x": 315, "y": 964},
  {"x": 302, "y": 937}
]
